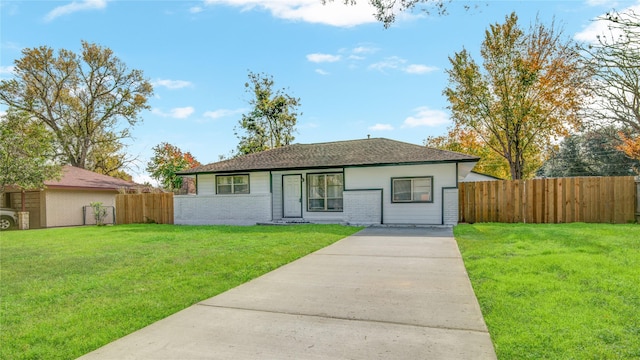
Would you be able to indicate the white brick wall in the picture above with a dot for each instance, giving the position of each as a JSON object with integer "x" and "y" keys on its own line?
{"x": 450, "y": 199}
{"x": 222, "y": 209}
{"x": 362, "y": 207}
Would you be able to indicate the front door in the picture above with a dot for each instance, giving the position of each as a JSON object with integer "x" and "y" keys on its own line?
{"x": 292, "y": 195}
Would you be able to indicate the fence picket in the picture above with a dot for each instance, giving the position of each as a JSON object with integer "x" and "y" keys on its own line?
{"x": 142, "y": 208}
{"x": 558, "y": 200}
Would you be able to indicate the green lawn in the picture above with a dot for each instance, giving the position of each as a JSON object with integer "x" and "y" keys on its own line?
{"x": 557, "y": 291}
{"x": 65, "y": 292}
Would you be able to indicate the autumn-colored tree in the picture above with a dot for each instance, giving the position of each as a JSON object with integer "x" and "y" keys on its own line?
{"x": 87, "y": 101}
{"x": 467, "y": 142}
{"x": 166, "y": 162}
{"x": 630, "y": 145}
{"x": 526, "y": 94}
{"x": 616, "y": 60}
{"x": 272, "y": 119}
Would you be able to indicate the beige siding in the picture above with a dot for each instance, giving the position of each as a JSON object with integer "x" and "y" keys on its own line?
{"x": 64, "y": 207}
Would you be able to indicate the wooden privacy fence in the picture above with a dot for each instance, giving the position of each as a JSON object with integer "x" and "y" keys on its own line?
{"x": 560, "y": 200}
{"x": 144, "y": 208}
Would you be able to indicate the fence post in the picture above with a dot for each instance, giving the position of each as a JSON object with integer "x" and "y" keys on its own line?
{"x": 637, "y": 183}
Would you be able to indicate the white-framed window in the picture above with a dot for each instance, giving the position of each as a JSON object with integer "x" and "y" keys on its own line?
{"x": 324, "y": 192}
{"x": 232, "y": 184}
{"x": 412, "y": 189}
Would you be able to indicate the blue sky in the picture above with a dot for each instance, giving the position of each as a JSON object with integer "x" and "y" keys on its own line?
{"x": 354, "y": 77}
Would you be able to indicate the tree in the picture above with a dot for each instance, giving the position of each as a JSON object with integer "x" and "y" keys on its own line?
{"x": 272, "y": 119}
{"x": 593, "y": 153}
{"x": 527, "y": 93}
{"x": 26, "y": 150}
{"x": 467, "y": 142}
{"x": 166, "y": 162}
{"x": 110, "y": 159}
{"x": 616, "y": 60}
{"x": 89, "y": 101}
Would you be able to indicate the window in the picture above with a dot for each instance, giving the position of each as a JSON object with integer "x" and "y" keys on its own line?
{"x": 232, "y": 184}
{"x": 416, "y": 189}
{"x": 324, "y": 192}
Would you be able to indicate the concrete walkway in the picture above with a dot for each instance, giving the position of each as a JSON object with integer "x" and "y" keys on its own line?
{"x": 383, "y": 293}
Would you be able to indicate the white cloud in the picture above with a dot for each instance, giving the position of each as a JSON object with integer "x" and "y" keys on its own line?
{"x": 601, "y": 27}
{"x": 6, "y": 70}
{"x": 333, "y": 13}
{"x": 172, "y": 84}
{"x": 75, "y": 6}
{"x": 176, "y": 113}
{"x": 220, "y": 113}
{"x": 319, "y": 58}
{"x": 398, "y": 63}
{"x": 419, "y": 69}
{"x": 381, "y": 127}
{"x": 195, "y": 9}
{"x": 607, "y": 3}
{"x": 322, "y": 72}
{"x": 426, "y": 117}
{"x": 364, "y": 50}
{"x": 393, "y": 62}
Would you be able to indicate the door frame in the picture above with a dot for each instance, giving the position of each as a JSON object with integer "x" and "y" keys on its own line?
{"x": 284, "y": 195}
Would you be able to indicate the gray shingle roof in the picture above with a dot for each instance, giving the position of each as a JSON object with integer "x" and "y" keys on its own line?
{"x": 375, "y": 151}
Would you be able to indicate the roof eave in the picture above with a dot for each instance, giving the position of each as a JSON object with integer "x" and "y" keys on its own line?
{"x": 429, "y": 162}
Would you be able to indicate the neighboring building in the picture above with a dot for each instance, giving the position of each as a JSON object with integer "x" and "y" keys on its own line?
{"x": 62, "y": 202}
{"x": 369, "y": 181}
{"x": 476, "y": 176}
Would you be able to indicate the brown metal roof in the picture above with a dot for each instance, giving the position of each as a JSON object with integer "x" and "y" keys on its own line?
{"x": 364, "y": 152}
{"x": 73, "y": 177}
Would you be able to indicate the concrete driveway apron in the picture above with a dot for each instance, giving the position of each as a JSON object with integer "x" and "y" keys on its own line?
{"x": 383, "y": 293}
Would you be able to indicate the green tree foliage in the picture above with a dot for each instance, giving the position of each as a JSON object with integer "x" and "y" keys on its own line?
{"x": 26, "y": 150}
{"x": 89, "y": 101}
{"x": 616, "y": 60}
{"x": 594, "y": 153}
{"x": 272, "y": 120}
{"x": 166, "y": 162}
{"x": 526, "y": 94}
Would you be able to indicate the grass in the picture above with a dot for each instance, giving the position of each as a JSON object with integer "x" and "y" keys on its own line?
{"x": 557, "y": 291}
{"x": 65, "y": 292}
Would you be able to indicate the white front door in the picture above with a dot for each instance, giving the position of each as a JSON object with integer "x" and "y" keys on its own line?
{"x": 292, "y": 195}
